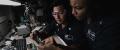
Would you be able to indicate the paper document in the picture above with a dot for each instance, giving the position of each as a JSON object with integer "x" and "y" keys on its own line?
{"x": 59, "y": 40}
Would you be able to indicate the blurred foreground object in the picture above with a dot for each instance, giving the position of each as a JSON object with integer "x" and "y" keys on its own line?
{"x": 9, "y": 2}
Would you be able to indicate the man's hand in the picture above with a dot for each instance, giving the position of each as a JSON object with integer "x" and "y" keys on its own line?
{"x": 49, "y": 41}
{"x": 48, "y": 44}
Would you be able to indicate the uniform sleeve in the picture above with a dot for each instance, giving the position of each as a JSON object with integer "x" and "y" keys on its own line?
{"x": 108, "y": 37}
{"x": 50, "y": 29}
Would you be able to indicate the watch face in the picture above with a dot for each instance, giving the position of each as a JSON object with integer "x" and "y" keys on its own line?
{"x": 91, "y": 34}
{"x": 68, "y": 37}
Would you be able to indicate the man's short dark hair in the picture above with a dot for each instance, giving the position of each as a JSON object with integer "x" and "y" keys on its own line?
{"x": 59, "y": 3}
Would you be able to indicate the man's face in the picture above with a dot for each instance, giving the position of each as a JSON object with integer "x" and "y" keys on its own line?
{"x": 78, "y": 8}
{"x": 59, "y": 14}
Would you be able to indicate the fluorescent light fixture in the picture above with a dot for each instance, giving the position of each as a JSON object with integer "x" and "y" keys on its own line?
{"x": 9, "y": 2}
